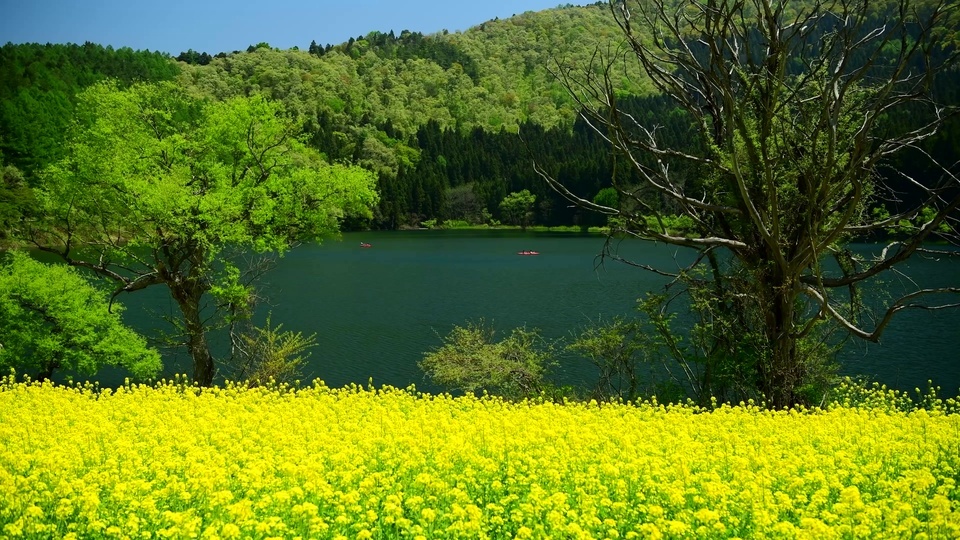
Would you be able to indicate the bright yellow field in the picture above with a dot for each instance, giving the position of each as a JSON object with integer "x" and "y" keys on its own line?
{"x": 320, "y": 463}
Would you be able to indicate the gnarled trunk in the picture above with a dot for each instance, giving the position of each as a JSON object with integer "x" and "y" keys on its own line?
{"x": 782, "y": 373}
{"x": 188, "y": 299}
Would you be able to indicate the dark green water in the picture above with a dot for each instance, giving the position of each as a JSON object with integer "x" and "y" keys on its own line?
{"x": 376, "y": 310}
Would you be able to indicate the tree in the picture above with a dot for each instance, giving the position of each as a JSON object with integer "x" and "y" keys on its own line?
{"x": 16, "y": 200}
{"x": 162, "y": 188}
{"x": 461, "y": 203}
{"x": 517, "y": 208}
{"x": 52, "y": 318}
{"x": 616, "y": 348}
{"x": 269, "y": 354}
{"x": 471, "y": 359}
{"x": 790, "y": 103}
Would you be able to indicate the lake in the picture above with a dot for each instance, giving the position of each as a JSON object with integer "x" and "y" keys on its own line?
{"x": 376, "y": 310}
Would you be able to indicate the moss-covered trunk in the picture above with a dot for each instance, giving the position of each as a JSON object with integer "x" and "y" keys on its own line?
{"x": 781, "y": 372}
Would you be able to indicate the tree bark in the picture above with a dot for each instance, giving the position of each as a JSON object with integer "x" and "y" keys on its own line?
{"x": 188, "y": 298}
{"x": 782, "y": 373}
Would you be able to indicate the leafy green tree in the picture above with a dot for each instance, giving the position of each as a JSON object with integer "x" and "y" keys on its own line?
{"x": 517, "y": 208}
{"x": 471, "y": 359}
{"x": 38, "y": 85}
{"x": 607, "y": 197}
{"x": 461, "y": 203}
{"x": 16, "y": 200}
{"x": 159, "y": 187}
{"x": 787, "y": 101}
{"x": 269, "y": 354}
{"x": 617, "y": 350}
{"x": 52, "y": 318}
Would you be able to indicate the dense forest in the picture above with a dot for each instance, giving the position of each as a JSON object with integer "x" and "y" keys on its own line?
{"x": 450, "y": 123}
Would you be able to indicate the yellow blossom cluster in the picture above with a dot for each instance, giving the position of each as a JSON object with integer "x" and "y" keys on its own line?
{"x": 173, "y": 461}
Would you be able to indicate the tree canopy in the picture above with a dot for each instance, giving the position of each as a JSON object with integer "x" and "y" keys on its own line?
{"x": 789, "y": 105}
{"x": 51, "y": 318}
{"x": 471, "y": 360}
{"x": 517, "y": 207}
{"x": 159, "y": 187}
{"x": 426, "y": 113}
{"x": 38, "y": 88}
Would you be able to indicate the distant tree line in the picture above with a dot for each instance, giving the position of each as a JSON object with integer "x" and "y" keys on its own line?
{"x": 407, "y": 46}
{"x": 450, "y": 123}
{"x": 38, "y": 88}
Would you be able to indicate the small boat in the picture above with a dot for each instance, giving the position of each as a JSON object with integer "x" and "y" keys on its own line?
{"x": 365, "y": 245}
{"x": 527, "y": 252}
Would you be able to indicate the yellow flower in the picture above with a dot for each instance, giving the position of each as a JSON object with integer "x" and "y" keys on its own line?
{"x": 328, "y": 463}
{"x": 230, "y": 530}
{"x": 428, "y": 514}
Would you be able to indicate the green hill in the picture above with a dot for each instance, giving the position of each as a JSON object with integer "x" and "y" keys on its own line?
{"x": 436, "y": 116}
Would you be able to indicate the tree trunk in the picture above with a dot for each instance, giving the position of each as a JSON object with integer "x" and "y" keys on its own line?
{"x": 46, "y": 371}
{"x": 781, "y": 374}
{"x": 189, "y": 301}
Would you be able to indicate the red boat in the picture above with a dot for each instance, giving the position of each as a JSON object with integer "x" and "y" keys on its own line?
{"x": 526, "y": 252}
{"x": 365, "y": 245}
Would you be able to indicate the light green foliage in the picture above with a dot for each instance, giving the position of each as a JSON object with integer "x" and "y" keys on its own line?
{"x": 508, "y": 80}
{"x": 608, "y": 197}
{"x": 157, "y": 166}
{"x": 678, "y": 225}
{"x": 517, "y": 207}
{"x": 470, "y": 359}
{"x": 305, "y": 84}
{"x": 515, "y": 58}
{"x": 617, "y": 349}
{"x": 271, "y": 355}
{"x": 52, "y": 318}
{"x": 39, "y": 86}
{"x": 16, "y": 200}
{"x": 158, "y": 184}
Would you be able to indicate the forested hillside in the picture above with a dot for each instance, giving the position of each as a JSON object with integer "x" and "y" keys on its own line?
{"x": 450, "y": 122}
{"x": 38, "y": 84}
{"x": 437, "y": 116}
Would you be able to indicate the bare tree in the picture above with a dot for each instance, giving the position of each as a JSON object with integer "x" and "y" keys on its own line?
{"x": 790, "y": 102}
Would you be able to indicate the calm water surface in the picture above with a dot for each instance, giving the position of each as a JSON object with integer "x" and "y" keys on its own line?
{"x": 375, "y": 311}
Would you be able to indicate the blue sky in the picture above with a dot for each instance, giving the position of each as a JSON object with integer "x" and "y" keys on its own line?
{"x": 216, "y": 26}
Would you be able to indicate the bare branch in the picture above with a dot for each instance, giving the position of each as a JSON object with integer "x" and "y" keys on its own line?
{"x": 901, "y": 304}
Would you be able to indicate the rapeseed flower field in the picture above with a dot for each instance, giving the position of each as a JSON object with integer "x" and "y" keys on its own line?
{"x": 174, "y": 461}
